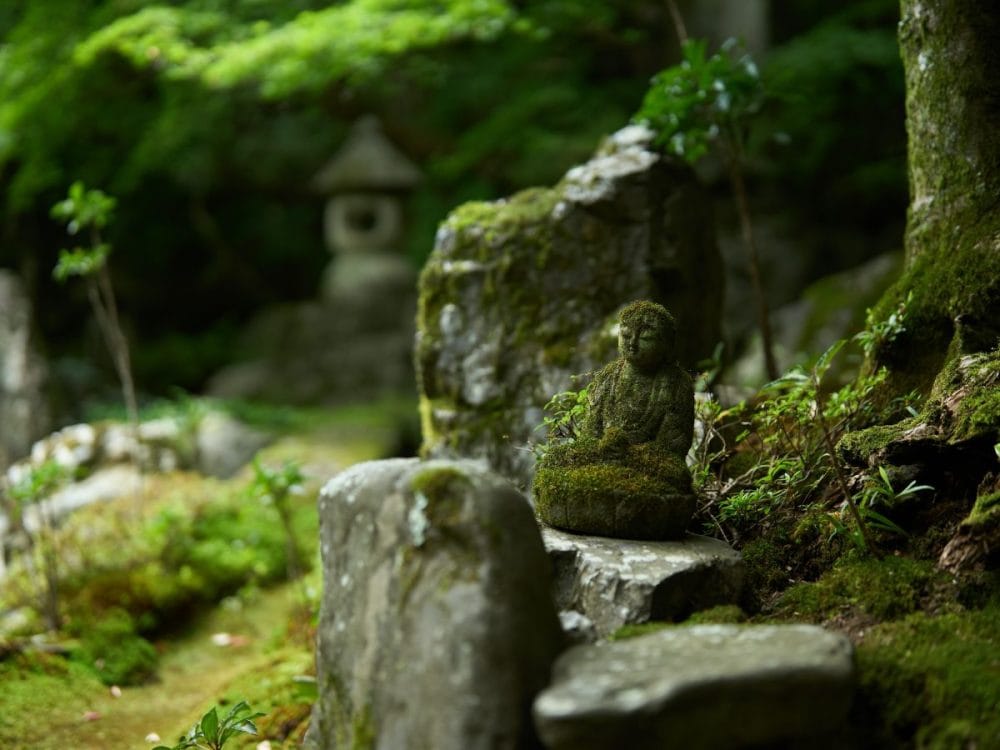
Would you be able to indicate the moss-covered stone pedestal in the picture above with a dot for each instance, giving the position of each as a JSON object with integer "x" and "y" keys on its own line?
{"x": 646, "y": 494}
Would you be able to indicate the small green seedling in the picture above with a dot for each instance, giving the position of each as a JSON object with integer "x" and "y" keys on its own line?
{"x": 212, "y": 733}
{"x": 38, "y": 484}
{"x": 273, "y": 487}
{"x": 90, "y": 211}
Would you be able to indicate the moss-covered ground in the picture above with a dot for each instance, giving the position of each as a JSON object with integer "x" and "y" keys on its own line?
{"x": 156, "y": 598}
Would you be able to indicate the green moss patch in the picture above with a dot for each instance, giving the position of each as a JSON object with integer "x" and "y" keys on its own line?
{"x": 986, "y": 512}
{"x": 115, "y": 651}
{"x": 724, "y": 614}
{"x": 637, "y": 629}
{"x": 934, "y": 682}
{"x": 40, "y": 690}
{"x": 856, "y": 447}
{"x": 881, "y": 589}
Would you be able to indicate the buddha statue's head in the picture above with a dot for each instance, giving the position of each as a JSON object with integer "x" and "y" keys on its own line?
{"x": 646, "y": 335}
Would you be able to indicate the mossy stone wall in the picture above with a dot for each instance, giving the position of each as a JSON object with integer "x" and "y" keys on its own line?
{"x": 520, "y": 294}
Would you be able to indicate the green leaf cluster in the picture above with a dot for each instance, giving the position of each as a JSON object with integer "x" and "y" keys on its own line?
{"x": 273, "y": 485}
{"x": 83, "y": 208}
{"x": 213, "y": 732}
{"x": 704, "y": 99}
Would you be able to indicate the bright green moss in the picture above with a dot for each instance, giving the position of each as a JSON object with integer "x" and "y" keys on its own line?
{"x": 724, "y": 614}
{"x": 530, "y": 206}
{"x": 882, "y": 589}
{"x": 444, "y": 490}
{"x": 986, "y": 511}
{"x": 638, "y": 497}
{"x": 856, "y": 447}
{"x": 959, "y": 275}
{"x": 638, "y": 629}
{"x": 117, "y": 654}
{"x": 979, "y": 412}
{"x": 934, "y": 681}
{"x": 39, "y": 690}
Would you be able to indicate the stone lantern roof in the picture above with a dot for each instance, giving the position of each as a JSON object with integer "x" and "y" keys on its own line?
{"x": 367, "y": 161}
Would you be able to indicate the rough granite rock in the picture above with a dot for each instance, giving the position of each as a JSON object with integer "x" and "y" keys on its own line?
{"x": 699, "y": 688}
{"x": 437, "y": 626}
{"x": 24, "y": 409}
{"x": 521, "y": 294}
{"x": 615, "y": 582}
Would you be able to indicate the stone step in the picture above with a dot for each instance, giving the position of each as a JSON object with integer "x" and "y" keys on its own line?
{"x": 699, "y": 688}
{"x": 601, "y": 584}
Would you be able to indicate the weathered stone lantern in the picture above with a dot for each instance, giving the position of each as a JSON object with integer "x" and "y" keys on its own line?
{"x": 356, "y": 341}
{"x": 366, "y": 183}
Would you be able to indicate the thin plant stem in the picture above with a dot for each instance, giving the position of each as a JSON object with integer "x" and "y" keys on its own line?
{"x": 743, "y": 209}
{"x": 678, "y": 19}
{"x": 838, "y": 471}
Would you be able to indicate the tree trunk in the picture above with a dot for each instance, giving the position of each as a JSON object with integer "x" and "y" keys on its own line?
{"x": 951, "y": 54}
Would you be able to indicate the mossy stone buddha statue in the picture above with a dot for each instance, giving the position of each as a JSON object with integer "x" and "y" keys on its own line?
{"x": 625, "y": 475}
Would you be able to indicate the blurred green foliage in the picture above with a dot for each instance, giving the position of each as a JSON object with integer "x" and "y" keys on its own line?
{"x": 208, "y": 119}
{"x": 118, "y": 655}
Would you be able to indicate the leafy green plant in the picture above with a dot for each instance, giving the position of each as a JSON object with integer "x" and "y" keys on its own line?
{"x": 705, "y": 101}
{"x": 564, "y": 415}
{"x": 31, "y": 491}
{"x": 790, "y": 433}
{"x": 213, "y": 732}
{"x": 880, "y": 332}
{"x": 879, "y": 493}
{"x": 273, "y": 487}
{"x": 90, "y": 211}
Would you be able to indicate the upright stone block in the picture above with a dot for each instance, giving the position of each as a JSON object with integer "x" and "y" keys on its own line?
{"x": 437, "y": 626}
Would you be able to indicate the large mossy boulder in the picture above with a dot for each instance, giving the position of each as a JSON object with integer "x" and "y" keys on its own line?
{"x": 437, "y": 625}
{"x": 521, "y": 294}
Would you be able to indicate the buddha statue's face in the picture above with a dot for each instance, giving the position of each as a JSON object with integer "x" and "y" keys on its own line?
{"x": 643, "y": 344}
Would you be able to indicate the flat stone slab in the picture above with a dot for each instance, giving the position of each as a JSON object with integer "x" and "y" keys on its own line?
{"x": 615, "y": 582}
{"x": 707, "y": 686}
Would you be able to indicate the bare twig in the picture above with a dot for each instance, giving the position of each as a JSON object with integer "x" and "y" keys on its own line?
{"x": 678, "y": 19}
